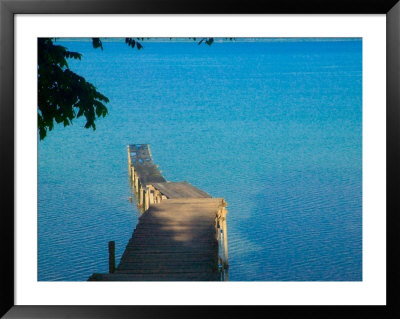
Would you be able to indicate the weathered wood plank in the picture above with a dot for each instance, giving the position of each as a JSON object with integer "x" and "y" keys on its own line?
{"x": 156, "y": 277}
{"x": 184, "y": 258}
{"x": 173, "y": 267}
{"x": 164, "y": 270}
{"x": 140, "y": 158}
{"x": 173, "y": 242}
{"x": 176, "y": 238}
{"x": 166, "y": 250}
{"x": 180, "y": 190}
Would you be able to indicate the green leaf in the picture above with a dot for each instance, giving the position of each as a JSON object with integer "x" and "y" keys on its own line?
{"x": 42, "y": 133}
{"x": 131, "y": 42}
{"x": 97, "y": 43}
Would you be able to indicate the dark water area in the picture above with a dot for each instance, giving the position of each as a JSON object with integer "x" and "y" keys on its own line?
{"x": 274, "y": 127}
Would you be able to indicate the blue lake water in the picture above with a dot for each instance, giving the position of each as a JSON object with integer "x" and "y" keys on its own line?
{"x": 272, "y": 126}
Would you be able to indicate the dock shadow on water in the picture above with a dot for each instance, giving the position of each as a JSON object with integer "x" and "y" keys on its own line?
{"x": 181, "y": 234}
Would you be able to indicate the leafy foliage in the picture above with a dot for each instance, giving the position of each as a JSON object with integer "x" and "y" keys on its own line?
{"x": 132, "y": 42}
{"x": 63, "y": 94}
{"x": 208, "y": 41}
{"x": 97, "y": 43}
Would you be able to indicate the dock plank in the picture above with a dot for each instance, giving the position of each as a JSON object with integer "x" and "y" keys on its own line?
{"x": 180, "y": 190}
{"x": 177, "y": 236}
{"x": 195, "y": 276}
{"x": 140, "y": 158}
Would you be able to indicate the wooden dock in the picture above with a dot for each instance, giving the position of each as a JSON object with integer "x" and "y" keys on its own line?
{"x": 181, "y": 235}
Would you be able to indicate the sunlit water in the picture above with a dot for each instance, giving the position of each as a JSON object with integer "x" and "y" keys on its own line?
{"x": 274, "y": 127}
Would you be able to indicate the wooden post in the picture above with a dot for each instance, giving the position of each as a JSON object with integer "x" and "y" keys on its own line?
{"x": 129, "y": 160}
{"x": 145, "y": 198}
{"x": 136, "y": 183}
{"x": 140, "y": 195}
{"x": 132, "y": 173}
{"x": 218, "y": 237}
{"x": 151, "y": 200}
{"x": 225, "y": 231}
{"x": 111, "y": 256}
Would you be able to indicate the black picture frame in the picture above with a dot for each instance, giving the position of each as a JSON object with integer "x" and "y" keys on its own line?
{"x": 8, "y": 8}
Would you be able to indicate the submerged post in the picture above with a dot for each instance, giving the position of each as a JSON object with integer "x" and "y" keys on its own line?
{"x": 111, "y": 257}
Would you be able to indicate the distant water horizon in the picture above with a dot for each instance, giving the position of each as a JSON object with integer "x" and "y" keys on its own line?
{"x": 195, "y": 40}
{"x": 273, "y": 127}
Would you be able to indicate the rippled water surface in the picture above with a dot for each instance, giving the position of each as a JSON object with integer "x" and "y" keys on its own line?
{"x": 274, "y": 127}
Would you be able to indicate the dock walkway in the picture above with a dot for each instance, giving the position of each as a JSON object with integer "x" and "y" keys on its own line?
{"x": 182, "y": 234}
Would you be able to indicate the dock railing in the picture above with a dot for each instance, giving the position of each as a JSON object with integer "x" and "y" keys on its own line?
{"x": 180, "y": 203}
